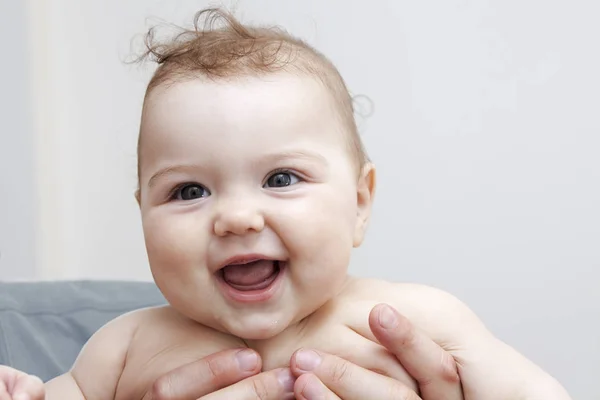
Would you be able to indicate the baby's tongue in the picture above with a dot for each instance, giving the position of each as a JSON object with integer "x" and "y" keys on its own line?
{"x": 251, "y": 276}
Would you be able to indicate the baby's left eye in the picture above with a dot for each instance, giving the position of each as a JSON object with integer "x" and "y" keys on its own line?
{"x": 282, "y": 179}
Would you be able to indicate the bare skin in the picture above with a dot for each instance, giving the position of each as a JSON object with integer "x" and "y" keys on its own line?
{"x": 236, "y": 373}
{"x": 156, "y": 341}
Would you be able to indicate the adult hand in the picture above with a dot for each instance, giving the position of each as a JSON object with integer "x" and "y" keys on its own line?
{"x": 236, "y": 373}
{"x": 325, "y": 376}
{"x": 16, "y": 385}
{"x": 229, "y": 374}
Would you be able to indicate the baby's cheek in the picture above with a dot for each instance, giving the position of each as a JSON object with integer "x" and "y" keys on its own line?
{"x": 323, "y": 241}
{"x": 173, "y": 242}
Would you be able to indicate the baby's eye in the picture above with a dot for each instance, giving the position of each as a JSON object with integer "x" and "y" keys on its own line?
{"x": 282, "y": 179}
{"x": 191, "y": 191}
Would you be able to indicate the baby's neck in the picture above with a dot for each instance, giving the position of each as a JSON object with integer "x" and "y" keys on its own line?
{"x": 294, "y": 331}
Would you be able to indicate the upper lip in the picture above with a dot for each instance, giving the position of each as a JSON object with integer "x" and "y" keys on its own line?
{"x": 244, "y": 259}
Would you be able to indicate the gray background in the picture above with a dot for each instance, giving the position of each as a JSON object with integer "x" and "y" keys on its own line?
{"x": 17, "y": 186}
{"x": 485, "y": 131}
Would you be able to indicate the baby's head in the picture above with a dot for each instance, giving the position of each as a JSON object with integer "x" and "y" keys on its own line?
{"x": 253, "y": 183}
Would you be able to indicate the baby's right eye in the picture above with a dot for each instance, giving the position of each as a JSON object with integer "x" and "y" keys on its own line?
{"x": 190, "y": 191}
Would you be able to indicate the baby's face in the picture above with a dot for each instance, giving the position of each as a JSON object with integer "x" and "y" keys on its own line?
{"x": 250, "y": 200}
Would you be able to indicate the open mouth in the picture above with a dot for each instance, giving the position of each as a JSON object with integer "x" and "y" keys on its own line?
{"x": 255, "y": 275}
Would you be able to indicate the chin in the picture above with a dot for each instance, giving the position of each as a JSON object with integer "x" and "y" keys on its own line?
{"x": 257, "y": 327}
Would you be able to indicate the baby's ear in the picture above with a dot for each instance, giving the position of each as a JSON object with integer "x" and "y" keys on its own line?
{"x": 138, "y": 197}
{"x": 365, "y": 195}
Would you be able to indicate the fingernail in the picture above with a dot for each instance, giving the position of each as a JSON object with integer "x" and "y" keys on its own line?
{"x": 387, "y": 318}
{"x": 313, "y": 390}
{"x": 247, "y": 360}
{"x": 307, "y": 360}
{"x": 21, "y": 396}
{"x": 287, "y": 380}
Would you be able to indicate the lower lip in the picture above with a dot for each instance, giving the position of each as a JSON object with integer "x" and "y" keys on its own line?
{"x": 253, "y": 296}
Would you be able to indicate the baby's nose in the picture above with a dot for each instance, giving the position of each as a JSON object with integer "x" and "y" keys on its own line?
{"x": 238, "y": 219}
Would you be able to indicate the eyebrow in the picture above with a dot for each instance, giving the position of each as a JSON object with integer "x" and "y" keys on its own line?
{"x": 274, "y": 157}
{"x": 297, "y": 154}
{"x": 170, "y": 170}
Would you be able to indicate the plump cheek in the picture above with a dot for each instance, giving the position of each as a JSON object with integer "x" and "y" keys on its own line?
{"x": 177, "y": 254}
{"x": 321, "y": 244}
{"x": 174, "y": 248}
{"x": 327, "y": 266}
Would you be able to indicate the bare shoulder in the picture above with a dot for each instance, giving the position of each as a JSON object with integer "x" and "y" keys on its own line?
{"x": 98, "y": 366}
{"x": 482, "y": 358}
{"x": 367, "y": 288}
{"x": 124, "y": 357}
{"x": 441, "y": 315}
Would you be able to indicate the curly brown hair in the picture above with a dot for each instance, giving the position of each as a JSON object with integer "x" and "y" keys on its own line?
{"x": 219, "y": 47}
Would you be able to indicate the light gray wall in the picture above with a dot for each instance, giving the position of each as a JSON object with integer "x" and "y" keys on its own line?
{"x": 17, "y": 188}
{"x": 487, "y": 136}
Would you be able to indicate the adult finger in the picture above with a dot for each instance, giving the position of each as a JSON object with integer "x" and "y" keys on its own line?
{"x": 7, "y": 378}
{"x": 28, "y": 387}
{"x": 309, "y": 387}
{"x": 374, "y": 357}
{"x": 15, "y": 384}
{"x": 347, "y": 380}
{"x": 431, "y": 366}
{"x": 276, "y": 384}
{"x": 4, "y": 395}
{"x": 207, "y": 375}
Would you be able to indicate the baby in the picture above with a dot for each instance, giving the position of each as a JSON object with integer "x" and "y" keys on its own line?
{"x": 254, "y": 188}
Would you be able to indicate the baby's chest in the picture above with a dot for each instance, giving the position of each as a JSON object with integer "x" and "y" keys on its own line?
{"x": 162, "y": 345}
{"x": 334, "y": 337}
{"x": 347, "y": 339}
{"x": 158, "y": 351}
